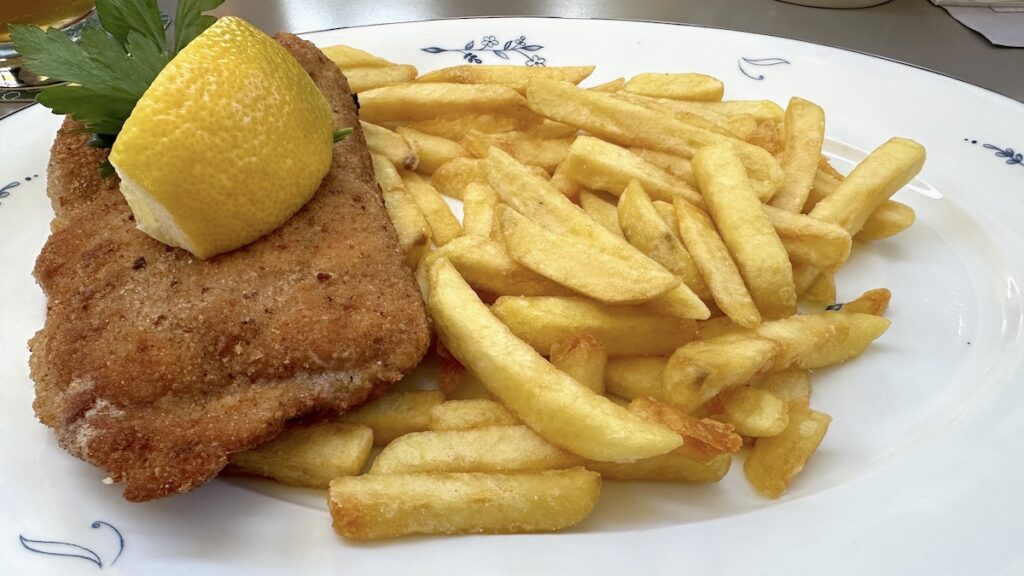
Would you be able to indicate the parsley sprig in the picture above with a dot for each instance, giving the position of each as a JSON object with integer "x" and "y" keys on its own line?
{"x": 113, "y": 65}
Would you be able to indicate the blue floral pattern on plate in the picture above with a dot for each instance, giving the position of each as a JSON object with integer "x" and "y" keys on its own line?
{"x": 1012, "y": 157}
{"x": 758, "y": 62}
{"x": 72, "y": 550}
{"x": 471, "y": 51}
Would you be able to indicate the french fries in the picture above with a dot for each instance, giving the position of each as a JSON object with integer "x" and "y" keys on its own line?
{"x": 775, "y": 460}
{"x": 310, "y": 456}
{"x": 667, "y": 315}
{"x": 376, "y": 506}
{"x": 699, "y": 87}
{"x": 622, "y": 330}
{"x": 554, "y": 405}
{"x": 746, "y": 230}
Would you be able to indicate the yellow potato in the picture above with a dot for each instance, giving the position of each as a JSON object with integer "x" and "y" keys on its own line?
{"x": 787, "y": 385}
{"x": 622, "y": 330}
{"x": 759, "y": 109}
{"x": 515, "y": 77}
{"x": 645, "y": 229}
{"x": 310, "y": 456}
{"x": 426, "y": 101}
{"x": 545, "y": 153}
{"x": 452, "y": 177}
{"x": 454, "y": 126}
{"x": 410, "y": 225}
{"x": 349, "y": 57}
{"x": 363, "y": 78}
{"x": 753, "y": 412}
{"x": 379, "y": 506}
{"x": 799, "y": 336}
{"x": 700, "y": 370}
{"x": 626, "y": 124}
{"x": 395, "y": 414}
{"x": 854, "y": 333}
{"x": 671, "y": 467}
{"x": 598, "y": 165}
{"x": 479, "y": 202}
{"x": 809, "y": 240}
{"x": 804, "y": 135}
{"x": 675, "y": 165}
{"x": 486, "y": 266}
{"x": 582, "y": 357}
{"x": 610, "y": 86}
{"x": 577, "y": 265}
{"x": 636, "y": 377}
{"x": 740, "y": 127}
{"x": 775, "y": 461}
{"x": 444, "y": 226}
{"x": 716, "y": 265}
{"x": 604, "y": 212}
{"x": 886, "y": 221}
{"x": 823, "y": 289}
{"x": 567, "y": 186}
{"x": 563, "y": 411}
{"x": 392, "y": 146}
{"x": 431, "y": 151}
{"x": 749, "y": 235}
{"x": 679, "y": 86}
{"x": 470, "y": 413}
{"x": 704, "y": 438}
{"x": 490, "y": 449}
{"x": 874, "y": 302}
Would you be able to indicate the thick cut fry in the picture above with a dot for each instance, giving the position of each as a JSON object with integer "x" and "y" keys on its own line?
{"x": 754, "y": 412}
{"x": 363, "y": 78}
{"x": 799, "y": 336}
{"x": 809, "y": 240}
{"x": 886, "y": 221}
{"x": 567, "y": 186}
{"x": 703, "y": 438}
{"x": 545, "y": 128}
{"x": 671, "y": 467}
{"x": 379, "y": 506}
{"x": 583, "y": 358}
{"x": 563, "y": 411}
{"x": 636, "y": 377}
{"x": 755, "y": 246}
{"x": 598, "y": 165}
{"x": 395, "y": 414}
{"x": 535, "y": 198}
{"x": 874, "y": 302}
{"x": 410, "y": 226}
{"x": 349, "y": 57}
{"x": 759, "y": 109}
{"x": 622, "y": 330}
{"x": 804, "y": 135}
{"x": 627, "y": 124}
{"x": 605, "y": 213}
{"x": 577, "y": 265}
{"x": 716, "y": 265}
{"x": 774, "y": 461}
{"x": 610, "y": 86}
{"x": 683, "y": 86}
{"x": 310, "y": 455}
{"x": 392, "y": 146}
{"x": 700, "y": 370}
{"x": 470, "y": 414}
{"x": 854, "y": 333}
{"x": 452, "y": 178}
{"x": 791, "y": 384}
{"x": 667, "y": 212}
{"x": 490, "y": 449}
{"x": 675, "y": 165}
{"x": 455, "y": 126}
{"x": 645, "y": 229}
{"x": 431, "y": 151}
{"x": 544, "y": 153}
{"x": 444, "y": 226}
{"x": 740, "y": 126}
{"x": 478, "y": 207}
{"x": 486, "y": 266}
{"x": 823, "y": 289}
{"x": 514, "y": 77}
{"x": 426, "y": 101}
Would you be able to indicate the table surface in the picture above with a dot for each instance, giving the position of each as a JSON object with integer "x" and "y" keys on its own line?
{"x": 912, "y": 31}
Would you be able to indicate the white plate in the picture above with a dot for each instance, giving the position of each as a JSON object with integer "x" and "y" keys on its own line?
{"x": 918, "y": 473}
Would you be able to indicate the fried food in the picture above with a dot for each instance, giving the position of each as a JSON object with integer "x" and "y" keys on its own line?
{"x": 157, "y": 367}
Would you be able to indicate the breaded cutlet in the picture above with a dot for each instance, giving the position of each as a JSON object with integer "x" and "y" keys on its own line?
{"x": 157, "y": 366}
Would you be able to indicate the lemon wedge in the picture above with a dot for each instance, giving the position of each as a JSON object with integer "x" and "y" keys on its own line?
{"x": 227, "y": 143}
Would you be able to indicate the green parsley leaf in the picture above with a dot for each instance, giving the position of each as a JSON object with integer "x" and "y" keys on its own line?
{"x": 190, "y": 21}
{"x": 340, "y": 135}
{"x": 119, "y": 17}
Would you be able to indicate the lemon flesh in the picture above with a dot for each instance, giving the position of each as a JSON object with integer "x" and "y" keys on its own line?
{"x": 229, "y": 141}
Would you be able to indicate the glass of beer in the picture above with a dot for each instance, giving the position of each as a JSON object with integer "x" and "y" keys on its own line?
{"x": 68, "y": 15}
